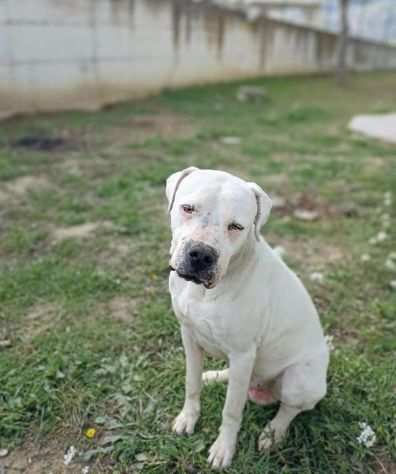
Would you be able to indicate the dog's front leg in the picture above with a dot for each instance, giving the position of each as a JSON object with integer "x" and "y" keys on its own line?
{"x": 185, "y": 421}
{"x": 240, "y": 371}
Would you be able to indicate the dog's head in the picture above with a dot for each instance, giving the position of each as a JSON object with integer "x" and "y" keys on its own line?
{"x": 213, "y": 215}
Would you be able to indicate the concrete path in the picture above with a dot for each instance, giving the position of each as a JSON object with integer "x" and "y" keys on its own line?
{"x": 382, "y": 127}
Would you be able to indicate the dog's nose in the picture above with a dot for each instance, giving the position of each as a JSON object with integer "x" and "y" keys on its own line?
{"x": 202, "y": 257}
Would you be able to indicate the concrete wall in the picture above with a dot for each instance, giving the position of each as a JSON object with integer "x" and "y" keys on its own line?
{"x": 84, "y": 53}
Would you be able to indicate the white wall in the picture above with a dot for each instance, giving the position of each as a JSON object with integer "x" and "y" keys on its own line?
{"x": 84, "y": 53}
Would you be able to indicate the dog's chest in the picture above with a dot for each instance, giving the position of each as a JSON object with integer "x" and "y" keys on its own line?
{"x": 207, "y": 319}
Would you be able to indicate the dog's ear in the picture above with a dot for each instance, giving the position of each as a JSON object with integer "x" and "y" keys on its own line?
{"x": 264, "y": 205}
{"x": 173, "y": 183}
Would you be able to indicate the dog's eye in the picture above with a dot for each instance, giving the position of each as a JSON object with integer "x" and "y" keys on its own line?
{"x": 235, "y": 226}
{"x": 188, "y": 209}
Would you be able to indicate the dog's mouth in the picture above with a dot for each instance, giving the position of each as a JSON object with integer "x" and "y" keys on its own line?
{"x": 207, "y": 283}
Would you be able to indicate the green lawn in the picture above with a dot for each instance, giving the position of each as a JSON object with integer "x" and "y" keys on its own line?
{"x": 83, "y": 283}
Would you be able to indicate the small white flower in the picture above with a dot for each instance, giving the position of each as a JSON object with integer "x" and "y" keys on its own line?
{"x": 316, "y": 277}
{"x": 380, "y": 237}
{"x": 68, "y": 457}
{"x": 388, "y": 199}
{"x": 85, "y": 470}
{"x": 390, "y": 264}
{"x": 329, "y": 342}
{"x": 365, "y": 257}
{"x": 367, "y": 436}
{"x": 280, "y": 251}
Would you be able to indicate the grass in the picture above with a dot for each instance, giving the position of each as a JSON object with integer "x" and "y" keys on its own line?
{"x": 93, "y": 339}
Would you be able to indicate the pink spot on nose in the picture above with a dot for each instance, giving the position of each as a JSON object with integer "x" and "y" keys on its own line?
{"x": 261, "y": 395}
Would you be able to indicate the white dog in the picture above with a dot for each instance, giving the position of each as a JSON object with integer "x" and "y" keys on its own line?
{"x": 236, "y": 299}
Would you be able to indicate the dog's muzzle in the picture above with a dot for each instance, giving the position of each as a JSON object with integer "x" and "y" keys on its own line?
{"x": 199, "y": 264}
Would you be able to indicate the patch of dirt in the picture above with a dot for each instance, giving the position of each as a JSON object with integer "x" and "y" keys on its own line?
{"x": 72, "y": 166}
{"x": 22, "y": 185}
{"x": 119, "y": 308}
{"x": 279, "y": 180}
{"x": 118, "y": 252}
{"x": 79, "y": 231}
{"x": 39, "y": 320}
{"x": 46, "y": 458}
{"x": 312, "y": 253}
{"x": 384, "y": 464}
{"x": 346, "y": 335}
{"x": 137, "y": 130}
{"x": 307, "y": 202}
{"x": 4, "y": 197}
{"x": 122, "y": 309}
{"x": 373, "y": 165}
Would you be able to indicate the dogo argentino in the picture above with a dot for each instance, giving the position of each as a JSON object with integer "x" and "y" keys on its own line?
{"x": 236, "y": 299}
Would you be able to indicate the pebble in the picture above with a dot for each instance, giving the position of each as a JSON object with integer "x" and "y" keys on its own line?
{"x": 316, "y": 277}
{"x": 231, "y": 140}
{"x": 306, "y": 215}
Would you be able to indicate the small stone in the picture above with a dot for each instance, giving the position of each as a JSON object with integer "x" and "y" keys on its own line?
{"x": 316, "y": 277}
{"x": 231, "y": 140}
{"x": 306, "y": 215}
{"x": 365, "y": 257}
{"x": 392, "y": 284}
{"x": 3, "y": 453}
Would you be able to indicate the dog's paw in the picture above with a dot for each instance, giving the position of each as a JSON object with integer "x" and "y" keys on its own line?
{"x": 222, "y": 451}
{"x": 185, "y": 422}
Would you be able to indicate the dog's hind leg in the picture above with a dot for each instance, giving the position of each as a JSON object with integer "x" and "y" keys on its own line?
{"x": 301, "y": 387}
{"x": 215, "y": 376}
